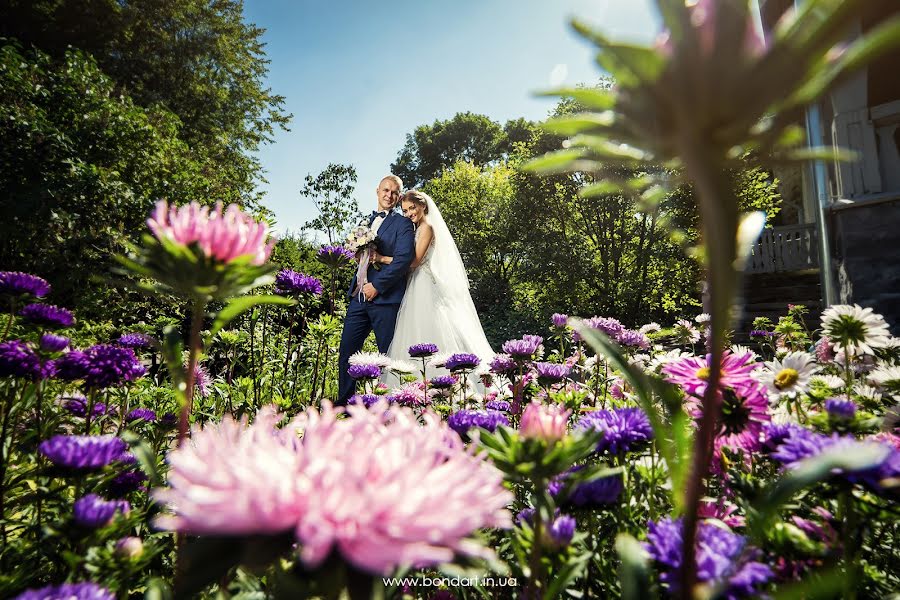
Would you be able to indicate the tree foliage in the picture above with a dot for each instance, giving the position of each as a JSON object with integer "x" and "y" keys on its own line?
{"x": 331, "y": 192}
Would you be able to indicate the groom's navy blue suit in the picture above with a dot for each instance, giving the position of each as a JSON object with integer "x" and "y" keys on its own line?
{"x": 395, "y": 238}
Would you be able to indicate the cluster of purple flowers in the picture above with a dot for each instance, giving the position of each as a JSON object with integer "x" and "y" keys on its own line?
{"x": 761, "y": 333}
{"x": 503, "y": 364}
{"x": 462, "y": 361}
{"x": 500, "y": 405}
{"x": 19, "y": 359}
{"x": 78, "y": 406}
{"x": 53, "y": 343}
{"x": 551, "y": 372}
{"x": 367, "y": 400}
{"x": 92, "y": 511}
{"x": 722, "y": 558}
{"x": 100, "y": 366}
{"x": 590, "y": 494}
{"x": 82, "y": 452}
{"x": 422, "y": 350}
{"x": 624, "y": 429}
{"x": 16, "y": 283}
{"x": 68, "y": 591}
{"x": 463, "y": 420}
{"x": 523, "y": 349}
{"x": 47, "y": 315}
{"x": 364, "y": 371}
{"x": 292, "y": 283}
{"x": 135, "y": 340}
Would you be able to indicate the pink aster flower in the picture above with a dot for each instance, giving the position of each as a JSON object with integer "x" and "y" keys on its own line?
{"x": 544, "y": 422}
{"x": 223, "y": 236}
{"x": 411, "y": 495}
{"x": 692, "y": 373}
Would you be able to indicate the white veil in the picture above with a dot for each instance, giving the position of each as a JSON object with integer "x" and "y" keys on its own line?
{"x": 445, "y": 262}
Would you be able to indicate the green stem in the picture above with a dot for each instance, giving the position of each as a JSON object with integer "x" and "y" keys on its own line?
{"x": 196, "y": 324}
{"x": 9, "y": 323}
{"x": 848, "y": 516}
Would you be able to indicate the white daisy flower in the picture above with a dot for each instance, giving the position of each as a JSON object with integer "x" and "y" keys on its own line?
{"x": 640, "y": 360}
{"x": 832, "y": 382}
{"x": 660, "y": 360}
{"x": 867, "y": 392}
{"x": 440, "y": 359}
{"x": 788, "y": 376}
{"x": 371, "y": 358}
{"x": 854, "y": 327}
{"x": 703, "y": 318}
{"x": 650, "y": 328}
{"x": 739, "y": 350}
{"x": 403, "y": 366}
{"x": 886, "y": 377}
{"x": 685, "y": 332}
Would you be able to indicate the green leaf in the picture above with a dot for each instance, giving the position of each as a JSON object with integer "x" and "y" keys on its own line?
{"x": 593, "y": 98}
{"x": 236, "y": 306}
{"x": 634, "y": 572}
{"x": 572, "y": 124}
{"x": 554, "y": 162}
{"x": 826, "y": 153}
{"x": 629, "y": 64}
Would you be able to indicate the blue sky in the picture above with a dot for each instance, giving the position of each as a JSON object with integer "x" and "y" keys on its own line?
{"x": 359, "y": 75}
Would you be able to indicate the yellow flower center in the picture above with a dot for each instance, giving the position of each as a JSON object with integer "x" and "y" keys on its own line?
{"x": 702, "y": 373}
{"x": 786, "y": 378}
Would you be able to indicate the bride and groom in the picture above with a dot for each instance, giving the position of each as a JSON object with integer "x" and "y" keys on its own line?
{"x": 419, "y": 291}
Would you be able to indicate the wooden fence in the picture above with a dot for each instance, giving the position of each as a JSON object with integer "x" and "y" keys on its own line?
{"x": 786, "y": 248}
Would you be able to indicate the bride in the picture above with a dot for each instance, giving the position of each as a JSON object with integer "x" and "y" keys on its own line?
{"x": 437, "y": 307}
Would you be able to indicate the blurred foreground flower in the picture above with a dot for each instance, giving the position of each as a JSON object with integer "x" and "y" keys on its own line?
{"x": 547, "y": 423}
{"x": 68, "y": 591}
{"x": 412, "y": 495}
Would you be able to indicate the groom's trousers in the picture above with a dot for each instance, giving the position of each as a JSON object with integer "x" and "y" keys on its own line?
{"x": 363, "y": 317}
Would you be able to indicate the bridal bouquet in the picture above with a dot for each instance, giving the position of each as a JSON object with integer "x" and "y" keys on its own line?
{"x": 361, "y": 241}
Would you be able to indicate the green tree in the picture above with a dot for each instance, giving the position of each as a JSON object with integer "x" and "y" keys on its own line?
{"x": 331, "y": 192}
{"x": 196, "y": 59}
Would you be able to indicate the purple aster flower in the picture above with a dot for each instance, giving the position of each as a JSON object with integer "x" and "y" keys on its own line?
{"x": 135, "y": 340}
{"x": 68, "y": 591}
{"x": 100, "y": 366}
{"x": 503, "y": 364}
{"x": 292, "y": 283}
{"x": 18, "y": 359}
{"x": 561, "y": 530}
{"x": 743, "y": 413}
{"x": 366, "y": 400}
{"x": 53, "y": 343}
{"x": 633, "y": 339}
{"x": 16, "y": 283}
{"x": 144, "y": 414}
{"x": 462, "y": 361}
{"x": 334, "y": 256}
{"x": 126, "y": 482}
{"x": 442, "y": 382}
{"x": 168, "y": 420}
{"x": 624, "y": 429}
{"x": 550, "y": 372}
{"x": 761, "y": 333}
{"x": 202, "y": 380}
{"x": 92, "y": 511}
{"x": 609, "y": 326}
{"x": 590, "y": 494}
{"x": 364, "y": 371}
{"x": 463, "y": 420}
{"x": 840, "y": 410}
{"x": 559, "y": 320}
{"x": 409, "y": 394}
{"x": 498, "y": 405}
{"x": 723, "y": 558}
{"x": 774, "y": 434}
{"x": 47, "y": 315}
{"x": 526, "y": 515}
{"x": 82, "y": 452}
{"x": 692, "y": 373}
{"x": 78, "y": 406}
{"x": 523, "y": 349}
{"x": 422, "y": 350}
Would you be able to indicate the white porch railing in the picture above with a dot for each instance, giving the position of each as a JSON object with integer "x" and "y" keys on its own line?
{"x": 786, "y": 248}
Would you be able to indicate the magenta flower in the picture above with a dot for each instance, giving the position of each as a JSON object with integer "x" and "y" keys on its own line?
{"x": 543, "y": 422}
{"x": 412, "y": 495}
{"x": 692, "y": 373}
{"x": 223, "y": 236}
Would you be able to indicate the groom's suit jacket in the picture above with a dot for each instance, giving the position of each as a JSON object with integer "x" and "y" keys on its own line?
{"x": 395, "y": 238}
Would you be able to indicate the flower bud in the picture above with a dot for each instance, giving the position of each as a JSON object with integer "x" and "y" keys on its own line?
{"x": 129, "y": 547}
{"x": 542, "y": 422}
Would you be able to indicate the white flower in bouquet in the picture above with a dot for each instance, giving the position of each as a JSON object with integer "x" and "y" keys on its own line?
{"x": 361, "y": 237}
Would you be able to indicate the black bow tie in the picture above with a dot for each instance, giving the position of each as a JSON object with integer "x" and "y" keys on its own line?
{"x": 375, "y": 213}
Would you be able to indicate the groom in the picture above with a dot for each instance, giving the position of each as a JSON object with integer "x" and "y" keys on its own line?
{"x": 376, "y": 307}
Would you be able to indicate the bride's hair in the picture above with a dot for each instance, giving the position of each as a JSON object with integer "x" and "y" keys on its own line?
{"x": 416, "y": 197}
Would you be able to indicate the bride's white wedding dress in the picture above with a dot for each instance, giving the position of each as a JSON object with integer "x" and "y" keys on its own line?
{"x": 437, "y": 307}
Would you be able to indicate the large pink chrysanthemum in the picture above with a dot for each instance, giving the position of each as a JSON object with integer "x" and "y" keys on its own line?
{"x": 380, "y": 487}
{"x": 223, "y": 236}
{"x": 692, "y": 373}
